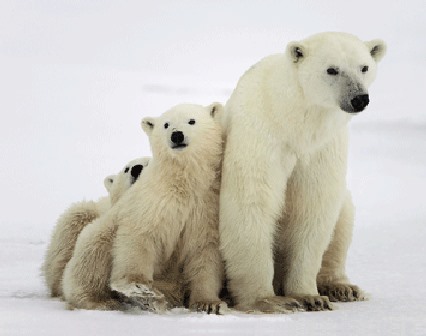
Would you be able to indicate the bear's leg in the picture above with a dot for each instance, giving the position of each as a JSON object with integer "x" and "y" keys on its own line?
{"x": 86, "y": 277}
{"x": 315, "y": 193}
{"x": 332, "y": 280}
{"x": 203, "y": 268}
{"x": 251, "y": 199}
{"x": 63, "y": 240}
{"x": 134, "y": 260}
{"x": 204, "y": 271}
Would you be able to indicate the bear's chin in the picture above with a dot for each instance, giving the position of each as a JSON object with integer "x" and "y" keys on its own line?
{"x": 351, "y": 110}
{"x": 179, "y": 147}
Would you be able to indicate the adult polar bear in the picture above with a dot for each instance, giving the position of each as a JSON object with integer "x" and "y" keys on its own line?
{"x": 283, "y": 193}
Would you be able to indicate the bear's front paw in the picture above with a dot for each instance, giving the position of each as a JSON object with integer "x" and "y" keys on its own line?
{"x": 142, "y": 295}
{"x": 272, "y": 305}
{"x": 137, "y": 290}
{"x": 342, "y": 292}
{"x": 314, "y": 302}
{"x": 210, "y": 307}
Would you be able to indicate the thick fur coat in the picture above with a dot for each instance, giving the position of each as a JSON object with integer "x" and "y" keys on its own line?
{"x": 172, "y": 213}
{"x": 163, "y": 232}
{"x": 286, "y": 215}
{"x": 76, "y": 218}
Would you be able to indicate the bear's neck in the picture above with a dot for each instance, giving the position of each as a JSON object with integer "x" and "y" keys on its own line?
{"x": 197, "y": 173}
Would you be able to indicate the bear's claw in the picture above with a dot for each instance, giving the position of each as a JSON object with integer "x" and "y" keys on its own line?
{"x": 314, "y": 302}
{"x": 342, "y": 292}
{"x": 217, "y": 308}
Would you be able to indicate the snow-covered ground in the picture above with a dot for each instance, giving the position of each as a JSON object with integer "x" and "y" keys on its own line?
{"x": 76, "y": 77}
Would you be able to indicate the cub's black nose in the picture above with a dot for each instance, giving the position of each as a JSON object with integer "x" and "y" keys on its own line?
{"x": 177, "y": 137}
{"x": 360, "y": 102}
{"x": 136, "y": 171}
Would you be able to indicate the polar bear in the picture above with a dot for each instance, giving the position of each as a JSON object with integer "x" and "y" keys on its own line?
{"x": 76, "y": 217}
{"x": 86, "y": 277}
{"x": 170, "y": 216}
{"x": 286, "y": 215}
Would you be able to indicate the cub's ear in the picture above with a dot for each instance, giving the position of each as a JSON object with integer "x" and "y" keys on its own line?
{"x": 108, "y": 181}
{"x": 296, "y": 51}
{"x": 216, "y": 110}
{"x": 145, "y": 161}
{"x": 377, "y": 49}
{"x": 147, "y": 125}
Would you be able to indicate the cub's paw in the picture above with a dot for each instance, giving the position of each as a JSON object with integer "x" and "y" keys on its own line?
{"x": 210, "y": 307}
{"x": 273, "y": 305}
{"x": 140, "y": 295}
{"x": 149, "y": 304}
{"x": 314, "y": 302}
{"x": 136, "y": 289}
{"x": 342, "y": 292}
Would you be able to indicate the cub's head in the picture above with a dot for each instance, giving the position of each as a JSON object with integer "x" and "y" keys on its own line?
{"x": 335, "y": 70}
{"x": 118, "y": 184}
{"x": 185, "y": 131}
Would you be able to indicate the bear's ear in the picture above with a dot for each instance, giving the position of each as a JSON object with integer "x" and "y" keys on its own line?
{"x": 145, "y": 161}
{"x": 215, "y": 109}
{"x": 108, "y": 181}
{"x": 147, "y": 125}
{"x": 296, "y": 51}
{"x": 377, "y": 49}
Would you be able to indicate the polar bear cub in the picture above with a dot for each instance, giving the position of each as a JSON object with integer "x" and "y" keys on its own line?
{"x": 76, "y": 217}
{"x": 172, "y": 212}
{"x": 286, "y": 215}
{"x": 91, "y": 249}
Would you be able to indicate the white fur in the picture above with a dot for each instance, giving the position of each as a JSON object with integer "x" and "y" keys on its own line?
{"x": 73, "y": 221}
{"x": 86, "y": 274}
{"x": 284, "y": 171}
{"x": 166, "y": 225}
{"x": 172, "y": 212}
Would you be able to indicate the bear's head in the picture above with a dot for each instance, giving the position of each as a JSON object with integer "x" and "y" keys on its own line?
{"x": 335, "y": 70}
{"x": 118, "y": 184}
{"x": 185, "y": 132}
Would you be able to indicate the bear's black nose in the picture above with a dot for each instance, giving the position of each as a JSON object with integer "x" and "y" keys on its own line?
{"x": 177, "y": 137}
{"x": 136, "y": 171}
{"x": 360, "y": 102}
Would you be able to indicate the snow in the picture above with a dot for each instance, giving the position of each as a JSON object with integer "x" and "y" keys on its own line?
{"x": 78, "y": 76}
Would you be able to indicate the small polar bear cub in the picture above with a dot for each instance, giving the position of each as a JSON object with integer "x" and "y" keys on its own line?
{"x": 76, "y": 217}
{"x": 173, "y": 210}
{"x": 85, "y": 281}
{"x": 120, "y": 183}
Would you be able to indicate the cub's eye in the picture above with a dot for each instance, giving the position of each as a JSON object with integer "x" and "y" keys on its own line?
{"x": 332, "y": 71}
{"x": 191, "y": 122}
{"x": 126, "y": 169}
{"x": 166, "y": 125}
{"x": 364, "y": 68}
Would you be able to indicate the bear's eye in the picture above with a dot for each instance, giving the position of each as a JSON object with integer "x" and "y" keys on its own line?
{"x": 126, "y": 169}
{"x": 166, "y": 125}
{"x": 364, "y": 69}
{"x": 191, "y": 122}
{"x": 332, "y": 71}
